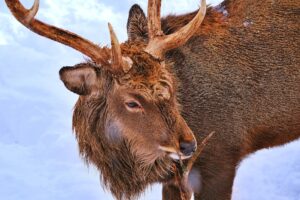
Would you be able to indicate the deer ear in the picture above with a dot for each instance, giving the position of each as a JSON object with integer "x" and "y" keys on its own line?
{"x": 81, "y": 80}
{"x": 137, "y": 28}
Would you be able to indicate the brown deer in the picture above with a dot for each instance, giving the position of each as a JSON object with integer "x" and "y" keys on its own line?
{"x": 143, "y": 104}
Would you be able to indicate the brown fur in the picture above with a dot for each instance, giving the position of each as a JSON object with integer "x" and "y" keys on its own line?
{"x": 124, "y": 145}
{"x": 239, "y": 76}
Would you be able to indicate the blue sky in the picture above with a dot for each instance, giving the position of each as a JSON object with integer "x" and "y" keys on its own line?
{"x": 38, "y": 153}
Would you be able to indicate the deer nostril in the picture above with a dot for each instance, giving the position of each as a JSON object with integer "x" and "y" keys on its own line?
{"x": 187, "y": 148}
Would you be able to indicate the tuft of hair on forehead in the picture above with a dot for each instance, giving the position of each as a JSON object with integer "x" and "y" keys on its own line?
{"x": 147, "y": 73}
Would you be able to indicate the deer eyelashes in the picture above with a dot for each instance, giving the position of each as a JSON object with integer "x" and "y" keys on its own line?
{"x": 133, "y": 106}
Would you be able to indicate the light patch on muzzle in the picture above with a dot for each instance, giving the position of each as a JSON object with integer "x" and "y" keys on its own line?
{"x": 172, "y": 153}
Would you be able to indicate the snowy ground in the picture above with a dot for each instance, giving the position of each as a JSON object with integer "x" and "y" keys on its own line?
{"x": 38, "y": 153}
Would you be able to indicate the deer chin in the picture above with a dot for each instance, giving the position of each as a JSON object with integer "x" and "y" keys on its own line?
{"x": 173, "y": 154}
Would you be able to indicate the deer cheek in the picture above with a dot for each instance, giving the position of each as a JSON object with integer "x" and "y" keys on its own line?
{"x": 113, "y": 130}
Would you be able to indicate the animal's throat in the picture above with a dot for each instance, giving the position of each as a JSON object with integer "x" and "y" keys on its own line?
{"x": 126, "y": 176}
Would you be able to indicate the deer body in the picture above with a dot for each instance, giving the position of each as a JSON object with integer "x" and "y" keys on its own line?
{"x": 143, "y": 104}
{"x": 241, "y": 81}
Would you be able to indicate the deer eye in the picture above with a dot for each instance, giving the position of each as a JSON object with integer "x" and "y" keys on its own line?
{"x": 132, "y": 105}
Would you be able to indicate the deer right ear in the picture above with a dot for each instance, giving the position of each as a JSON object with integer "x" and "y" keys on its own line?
{"x": 81, "y": 80}
{"x": 137, "y": 28}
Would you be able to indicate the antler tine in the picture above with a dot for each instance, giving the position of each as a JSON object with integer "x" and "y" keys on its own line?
{"x": 115, "y": 49}
{"x": 159, "y": 45}
{"x": 26, "y": 17}
{"x": 32, "y": 12}
{"x": 154, "y": 23}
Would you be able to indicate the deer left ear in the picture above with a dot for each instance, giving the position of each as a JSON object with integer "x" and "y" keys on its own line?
{"x": 81, "y": 80}
{"x": 137, "y": 28}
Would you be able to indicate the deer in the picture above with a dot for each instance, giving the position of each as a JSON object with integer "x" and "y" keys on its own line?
{"x": 146, "y": 104}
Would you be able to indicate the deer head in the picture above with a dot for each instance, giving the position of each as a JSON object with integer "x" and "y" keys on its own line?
{"x": 127, "y": 115}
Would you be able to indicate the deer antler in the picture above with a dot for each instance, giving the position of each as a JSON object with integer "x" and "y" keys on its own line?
{"x": 118, "y": 62}
{"x": 115, "y": 48}
{"x": 26, "y": 17}
{"x": 154, "y": 23}
{"x": 160, "y": 43}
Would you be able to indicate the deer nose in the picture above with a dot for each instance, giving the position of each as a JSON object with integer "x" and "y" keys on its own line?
{"x": 187, "y": 148}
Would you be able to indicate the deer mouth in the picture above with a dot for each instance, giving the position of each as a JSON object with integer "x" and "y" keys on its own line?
{"x": 174, "y": 154}
{"x": 178, "y": 156}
